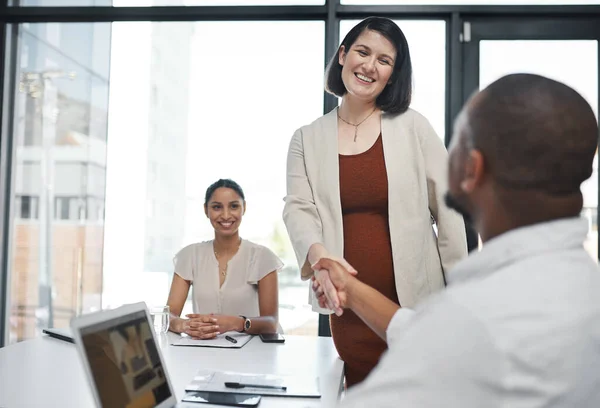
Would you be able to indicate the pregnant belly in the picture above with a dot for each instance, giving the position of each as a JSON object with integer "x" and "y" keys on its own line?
{"x": 367, "y": 248}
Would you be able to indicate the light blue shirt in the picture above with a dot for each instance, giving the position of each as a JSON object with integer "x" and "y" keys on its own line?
{"x": 518, "y": 326}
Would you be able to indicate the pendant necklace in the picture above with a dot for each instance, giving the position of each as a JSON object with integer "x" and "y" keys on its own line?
{"x": 357, "y": 124}
{"x": 223, "y": 271}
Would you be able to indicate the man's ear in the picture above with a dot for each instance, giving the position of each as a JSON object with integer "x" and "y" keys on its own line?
{"x": 474, "y": 171}
{"x": 342, "y": 55}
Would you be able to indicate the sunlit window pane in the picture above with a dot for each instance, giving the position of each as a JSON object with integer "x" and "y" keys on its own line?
{"x": 212, "y": 109}
{"x": 60, "y": 170}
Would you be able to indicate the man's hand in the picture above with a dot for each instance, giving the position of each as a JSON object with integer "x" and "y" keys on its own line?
{"x": 330, "y": 283}
{"x": 199, "y": 326}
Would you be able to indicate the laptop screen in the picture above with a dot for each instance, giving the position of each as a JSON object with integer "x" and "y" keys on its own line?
{"x": 125, "y": 363}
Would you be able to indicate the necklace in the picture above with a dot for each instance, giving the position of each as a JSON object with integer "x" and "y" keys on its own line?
{"x": 357, "y": 124}
{"x": 223, "y": 271}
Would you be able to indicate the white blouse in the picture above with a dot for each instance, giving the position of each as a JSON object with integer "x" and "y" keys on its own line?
{"x": 239, "y": 293}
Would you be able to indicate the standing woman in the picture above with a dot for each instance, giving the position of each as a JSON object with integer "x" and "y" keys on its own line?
{"x": 365, "y": 182}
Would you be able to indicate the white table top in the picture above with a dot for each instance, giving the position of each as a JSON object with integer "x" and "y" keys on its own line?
{"x": 47, "y": 372}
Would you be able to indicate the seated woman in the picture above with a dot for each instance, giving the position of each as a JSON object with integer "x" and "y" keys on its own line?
{"x": 234, "y": 280}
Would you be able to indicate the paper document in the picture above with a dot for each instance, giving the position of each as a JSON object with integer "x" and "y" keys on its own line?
{"x": 220, "y": 341}
{"x": 295, "y": 386}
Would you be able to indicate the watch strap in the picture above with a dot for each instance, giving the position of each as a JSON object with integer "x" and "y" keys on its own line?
{"x": 244, "y": 328}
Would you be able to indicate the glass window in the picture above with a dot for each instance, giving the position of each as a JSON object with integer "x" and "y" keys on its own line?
{"x": 61, "y": 114}
{"x": 427, "y": 43}
{"x": 103, "y": 205}
{"x": 576, "y": 67}
{"x": 213, "y": 110}
{"x": 26, "y": 207}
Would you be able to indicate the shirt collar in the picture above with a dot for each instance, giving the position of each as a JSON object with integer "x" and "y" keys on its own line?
{"x": 518, "y": 244}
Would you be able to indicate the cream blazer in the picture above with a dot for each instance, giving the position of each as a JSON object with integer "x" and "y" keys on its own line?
{"x": 416, "y": 163}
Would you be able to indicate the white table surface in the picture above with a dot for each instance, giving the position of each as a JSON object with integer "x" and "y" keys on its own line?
{"x": 46, "y": 372}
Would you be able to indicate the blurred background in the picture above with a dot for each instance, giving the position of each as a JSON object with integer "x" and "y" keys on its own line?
{"x": 117, "y": 115}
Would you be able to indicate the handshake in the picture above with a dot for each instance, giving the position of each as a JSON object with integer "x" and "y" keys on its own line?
{"x": 333, "y": 283}
{"x": 336, "y": 287}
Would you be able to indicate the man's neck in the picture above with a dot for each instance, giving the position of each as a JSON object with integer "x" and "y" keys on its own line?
{"x": 525, "y": 208}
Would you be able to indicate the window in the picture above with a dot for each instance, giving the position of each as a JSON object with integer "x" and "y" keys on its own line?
{"x": 60, "y": 133}
{"x": 62, "y": 208}
{"x": 212, "y": 115}
{"x": 27, "y": 207}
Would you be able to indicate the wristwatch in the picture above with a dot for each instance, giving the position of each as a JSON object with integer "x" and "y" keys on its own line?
{"x": 247, "y": 324}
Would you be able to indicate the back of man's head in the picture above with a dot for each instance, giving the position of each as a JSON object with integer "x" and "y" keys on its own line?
{"x": 535, "y": 133}
{"x": 521, "y": 149}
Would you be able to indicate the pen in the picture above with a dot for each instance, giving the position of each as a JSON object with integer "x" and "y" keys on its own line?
{"x": 231, "y": 339}
{"x": 242, "y": 385}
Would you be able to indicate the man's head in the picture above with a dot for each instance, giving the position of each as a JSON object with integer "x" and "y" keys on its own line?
{"x": 520, "y": 151}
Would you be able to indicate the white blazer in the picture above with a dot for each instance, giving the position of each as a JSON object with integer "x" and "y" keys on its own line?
{"x": 416, "y": 163}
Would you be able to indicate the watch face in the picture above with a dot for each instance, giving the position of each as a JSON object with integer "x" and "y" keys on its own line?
{"x": 247, "y": 324}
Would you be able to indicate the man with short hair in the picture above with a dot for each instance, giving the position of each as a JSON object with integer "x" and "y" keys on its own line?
{"x": 519, "y": 324}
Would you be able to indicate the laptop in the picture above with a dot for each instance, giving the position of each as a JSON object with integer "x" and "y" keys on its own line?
{"x": 122, "y": 362}
{"x": 124, "y": 366}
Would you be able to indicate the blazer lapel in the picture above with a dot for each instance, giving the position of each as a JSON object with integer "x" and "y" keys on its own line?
{"x": 401, "y": 155}
{"x": 329, "y": 177}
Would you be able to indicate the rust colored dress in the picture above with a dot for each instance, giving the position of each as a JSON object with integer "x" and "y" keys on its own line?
{"x": 367, "y": 247}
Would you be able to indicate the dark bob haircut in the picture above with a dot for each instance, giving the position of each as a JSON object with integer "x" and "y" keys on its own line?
{"x": 226, "y": 183}
{"x": 395, "y": 97}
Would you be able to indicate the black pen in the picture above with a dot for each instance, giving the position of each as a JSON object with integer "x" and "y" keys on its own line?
{"x": 242, "y": 385}
{"x": 231, "y": 339}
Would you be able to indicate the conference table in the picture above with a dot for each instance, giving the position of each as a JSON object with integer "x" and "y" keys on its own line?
{"x": 47, "y": 372}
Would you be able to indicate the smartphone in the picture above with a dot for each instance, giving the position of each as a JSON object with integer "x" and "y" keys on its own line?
{"x": 272, "y": 338}
{"x": 223, "y": 398}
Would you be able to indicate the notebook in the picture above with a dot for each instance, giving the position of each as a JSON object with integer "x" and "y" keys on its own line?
{"x": 223, "y": 340}
{"x": 295, "y": 386}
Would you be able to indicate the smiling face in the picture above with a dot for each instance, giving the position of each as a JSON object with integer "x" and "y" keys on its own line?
{"x": 225, "y": 210}
{"x": 367, "y": 65}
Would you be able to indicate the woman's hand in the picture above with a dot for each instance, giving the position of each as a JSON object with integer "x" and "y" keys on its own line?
{"x": 319, "y": 294}
{"x": 200, "y": 327}
{"x": 228, "y": 323}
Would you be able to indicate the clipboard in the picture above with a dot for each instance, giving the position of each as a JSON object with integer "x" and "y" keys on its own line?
{"x": 295, "y": 386}
{"x": 221, "y": 341}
